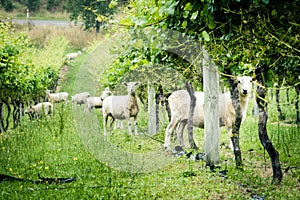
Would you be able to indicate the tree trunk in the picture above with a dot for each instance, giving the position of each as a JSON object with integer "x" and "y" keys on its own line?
{"x": 16, "y": 113}
{"x": 191, "y": 92}
{"x": 280, "y": 116}
{"x": 1, "y": 118}
{"x": 158, "y": 99}
{"x": 297, "y": 88}
{"x": 4, "y": 122}
{"x": 235, "y": 137}
{"x": 262, "y": 126}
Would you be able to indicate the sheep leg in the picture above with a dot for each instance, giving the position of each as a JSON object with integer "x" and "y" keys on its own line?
{"x": 129, "y": 126}
{"x": 169, "y": 131}
{"x": 180, "y": 130}
{"x": 105, "y": 118}
{"x": 229, "y": 131}
{"x": 135, "y": 126}
{"x": 111, "y": 124}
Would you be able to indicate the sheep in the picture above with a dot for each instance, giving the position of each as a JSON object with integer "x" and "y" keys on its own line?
{"x": 96, "y": 102}
{"x": 122, "y": 107}
{"x": 179, "y": 102}
{"x": 72, "y": 56}
{"x": 80, "y": 98}
{"x": 37, "y": 110}
{"x": 57, "y": 97}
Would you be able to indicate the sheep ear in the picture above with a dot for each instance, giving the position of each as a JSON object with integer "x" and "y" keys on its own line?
{"x": 125, "y": 84}
{"x": 136, "y": 83}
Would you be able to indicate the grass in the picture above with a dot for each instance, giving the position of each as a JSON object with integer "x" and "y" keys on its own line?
{"x": 76, "y": 36}
{"x": 70, "y": 144}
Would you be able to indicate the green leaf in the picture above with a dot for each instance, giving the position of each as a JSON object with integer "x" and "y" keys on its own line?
{"x": 184, "y": 24}
{"x": 194, "y": 15}
{"x": 205, "y": 36}
{"x": 274, "y": 13}
{"x": 188, "y": 7}
{"x": 211, "y": 23}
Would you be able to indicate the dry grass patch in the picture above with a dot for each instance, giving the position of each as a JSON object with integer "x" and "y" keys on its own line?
{"x": 76, "y": 36}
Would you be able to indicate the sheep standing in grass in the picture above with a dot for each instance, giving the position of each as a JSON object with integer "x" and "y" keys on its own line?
{"x": 57, "y": 97}
{"x": 37, "y": 110}
{"x": 122, "y": 107}
{"x": 96, "y": 102}
{"x": 179, "y": 102}
{"x": 72, "y": 56}
{"x": 80, "y": 98}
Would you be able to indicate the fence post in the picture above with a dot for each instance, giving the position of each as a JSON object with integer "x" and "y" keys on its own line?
{"x": 211, "y": 110}
{"x": 151, "y": 110}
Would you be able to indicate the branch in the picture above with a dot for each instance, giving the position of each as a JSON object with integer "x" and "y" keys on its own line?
{"x": 284, "y": 43}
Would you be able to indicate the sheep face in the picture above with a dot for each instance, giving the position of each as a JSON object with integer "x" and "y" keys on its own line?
{"x": 131, "y": 87}
{"x": 105, "y": 94}
{"x": 244, "y": 85}
{"x": 29, "y": 110}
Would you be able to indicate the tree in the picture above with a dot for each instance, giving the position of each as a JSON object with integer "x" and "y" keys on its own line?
{"x": 7, "y": 5}
{"x": 33, "y": 5}
{"x": 91, "y": 12}
{"x": 54, "y": 4}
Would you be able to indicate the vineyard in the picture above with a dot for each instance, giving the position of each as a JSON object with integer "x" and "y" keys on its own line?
{"x": 160, "y": 45}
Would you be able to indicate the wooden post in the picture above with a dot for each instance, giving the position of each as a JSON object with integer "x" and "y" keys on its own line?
{"x": 211, "y": 110}
{"x": 151, "y": 110}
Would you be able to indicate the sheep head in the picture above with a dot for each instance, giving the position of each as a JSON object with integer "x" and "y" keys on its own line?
{"x": 244, "y": 85}
{"x": 131, "y": 86}
{"x": 29, "y": 110}
{"x": 105, "y": 94}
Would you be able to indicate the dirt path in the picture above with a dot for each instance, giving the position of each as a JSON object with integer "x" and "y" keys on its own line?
{"x": 62, "y": 76}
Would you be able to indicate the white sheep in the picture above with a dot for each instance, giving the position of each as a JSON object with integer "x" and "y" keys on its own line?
{"x": 37, "y": 110}
{"x": 57, "y": 97}
{"x": 80, "y": 98}
{"x": 179, "y": 102}
{"x": 72, "y": 56}
{"x": 122, "y": 107}
{"x": 96, "y": 102}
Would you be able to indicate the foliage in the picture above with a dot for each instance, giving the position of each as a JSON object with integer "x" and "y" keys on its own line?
{"x": 25, "y": 72}
{"x": 14, "y": 68}
{"x": 93, "y": 13}
{"x": 7, "y": 5}
{"x": 32, "y": 5}
{"x": 240, "y": 35}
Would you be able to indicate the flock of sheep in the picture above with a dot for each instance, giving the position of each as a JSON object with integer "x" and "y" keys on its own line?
{"x": 127, "y": 106}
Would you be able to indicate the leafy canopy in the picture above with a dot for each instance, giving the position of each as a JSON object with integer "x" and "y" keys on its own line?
{"x": 239, "y": 35}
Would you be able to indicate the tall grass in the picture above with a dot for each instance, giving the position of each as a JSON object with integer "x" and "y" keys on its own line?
{"x": 77, "y": 38}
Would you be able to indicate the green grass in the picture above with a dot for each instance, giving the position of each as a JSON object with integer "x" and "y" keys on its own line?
{"x": 70, "y": 144}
